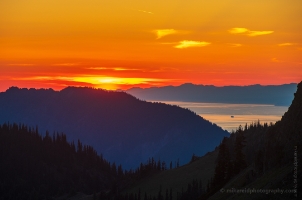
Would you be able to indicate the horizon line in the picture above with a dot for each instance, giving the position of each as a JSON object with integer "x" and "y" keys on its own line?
{"x": 135, "y": 87}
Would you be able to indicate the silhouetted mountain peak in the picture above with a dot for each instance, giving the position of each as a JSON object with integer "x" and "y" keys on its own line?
{"x": 12, "y": 89}
{"x": 295, "y": 109}
{"x": 290, "y": 125}
{"x": 187, "y": 85}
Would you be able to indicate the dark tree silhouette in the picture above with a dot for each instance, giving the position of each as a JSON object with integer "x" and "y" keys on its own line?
{"x": 240, "y": 162}
{"x": 224, "y": 166}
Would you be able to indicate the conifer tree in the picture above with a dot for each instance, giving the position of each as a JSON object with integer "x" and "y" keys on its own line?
{"x": 223, "y": 164}
{"x": 240, "y": 162}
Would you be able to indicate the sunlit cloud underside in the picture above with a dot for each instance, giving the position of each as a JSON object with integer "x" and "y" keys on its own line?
{"x": 105, "y": 82}
{"x": 286, "y": 44}
{"x": 245, "y": 31}
{"x": 115, "y": 68}
{"x": 227, "y": 43}
{"x": 189, "y": 43}
{"x": 164, "y": 32}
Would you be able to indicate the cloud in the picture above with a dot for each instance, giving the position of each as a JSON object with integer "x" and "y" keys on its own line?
{"x": 90, "y": 80}
{"x": 43, "y": 78}
{"x": 235, "y": 44}
{"x": 108, "y": 82}
{"x": 95, "y": 80}
{"x": 238, "y": 30}
{"x": 65, "y": 64}
{"x": 144, "y": 11}
{"x": 21, "y": 64}
{"x": 189, "y": 43}
{"x": 114, "y": 68}
{"x": 286, "y": 44}
{"x": 98, "y": 68}
{"x": 245, "y": 31}
{"x": 275, "y": 60}
{"x": 124, "y": 69}
{"x": 164, "y": 32}
{"x": 163, "y": 69}
{"x": 257, "y": 33}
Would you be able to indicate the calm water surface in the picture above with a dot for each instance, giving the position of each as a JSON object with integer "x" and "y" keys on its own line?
{"x": 221, "y": 113}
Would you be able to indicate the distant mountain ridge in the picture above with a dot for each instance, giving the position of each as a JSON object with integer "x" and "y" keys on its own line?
{"x": 280, "y": 95}
{"x": 271, "y": 153}
{"x": 121, "y": 127}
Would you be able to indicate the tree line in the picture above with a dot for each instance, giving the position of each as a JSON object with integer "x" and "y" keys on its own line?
{"x": 33, "y": 166}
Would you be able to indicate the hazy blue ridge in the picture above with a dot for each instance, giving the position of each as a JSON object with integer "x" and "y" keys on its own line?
{"x": 279, "y": 95}
{"x": 121, "y": 127}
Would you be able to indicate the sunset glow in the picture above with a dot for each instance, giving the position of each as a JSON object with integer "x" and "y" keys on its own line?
{"x": 119, "y": 45}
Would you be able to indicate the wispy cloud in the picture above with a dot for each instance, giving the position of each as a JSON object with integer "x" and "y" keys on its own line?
{"x": 164, "y": 69}
{"x": 245, "y": 31}
{"x": 43, "y": 78}
{"x": 286, "y": 44}
{"x": 275, "y": 60}
{"x": 21, "y": 64}
{"x": 164, "y": 32}
{"x": 65, "y": 64}
{"x": 116, "y": 80}
{"x": 95, "y": 80}
{"x": 235, "y": 44}
{"x": 238, "y": 30}
{"x": 98, "y": 68}
{"x": 257, "y": 33}
{"x": 125, "y": 69}
{"x": 190, "y": 43}
{"x": 104, "y": 82}
{"x": 144, "y": 11}
{"x": 114, "y": 68}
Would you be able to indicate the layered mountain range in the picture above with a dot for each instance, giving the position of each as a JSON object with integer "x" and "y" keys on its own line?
{"x": 280, "y": 95}
{"x": 123, "y": 128}
{"x": 42, "y": 167}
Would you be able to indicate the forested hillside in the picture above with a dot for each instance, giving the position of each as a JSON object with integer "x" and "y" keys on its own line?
{"x": 257, "y": 161}
{"x": 47, "y": 167}
{"x": 124, "y": 129}
{"x": 262, "y": 157}
{"x": 36, "y": 167}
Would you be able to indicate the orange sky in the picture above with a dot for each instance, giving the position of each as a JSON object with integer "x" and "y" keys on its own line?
{"x": 121, "y": 44}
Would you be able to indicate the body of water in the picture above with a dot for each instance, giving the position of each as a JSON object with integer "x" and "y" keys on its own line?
{"x": 230, "y": 116}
